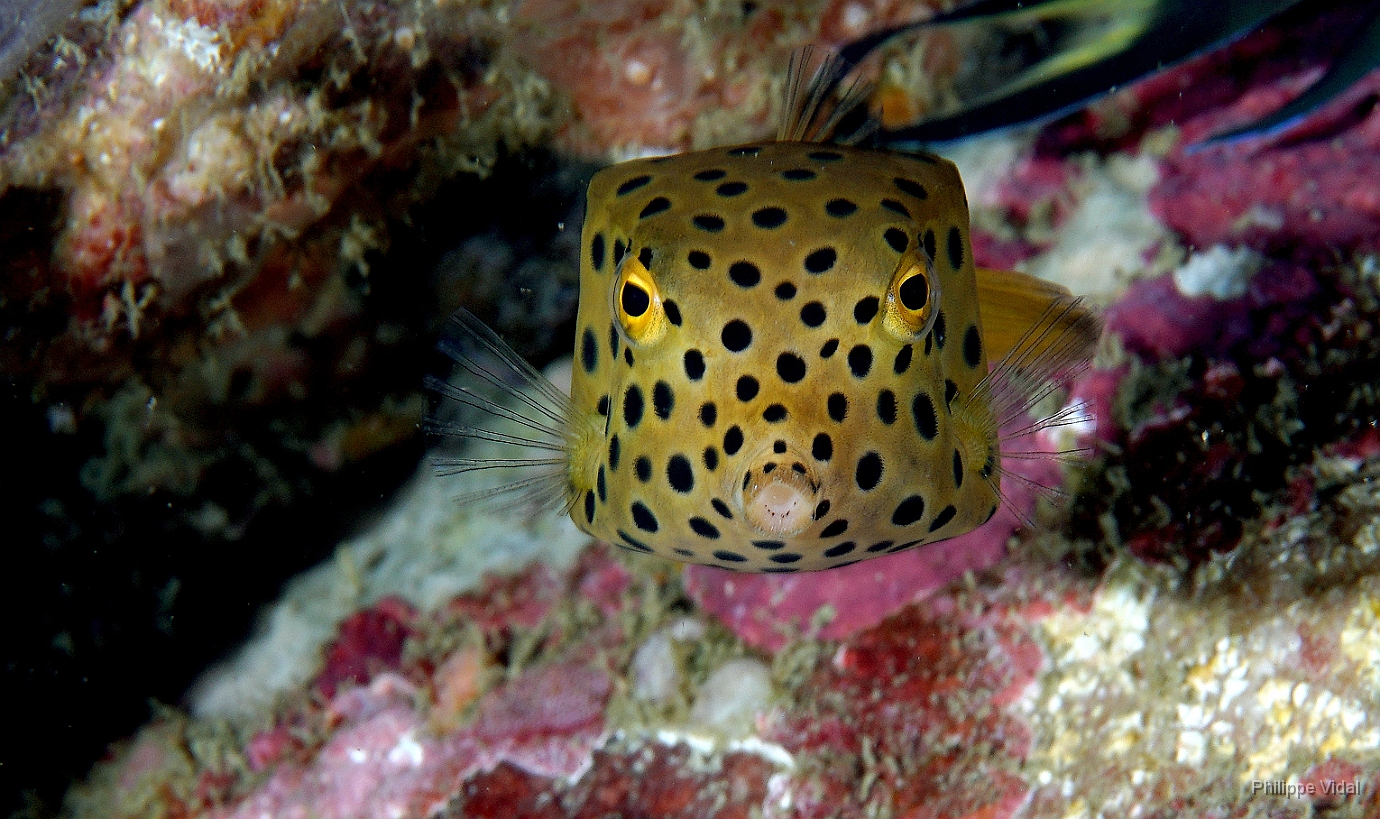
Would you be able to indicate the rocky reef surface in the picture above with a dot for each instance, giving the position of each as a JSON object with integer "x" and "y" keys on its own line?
{"x": 232, "y": 230}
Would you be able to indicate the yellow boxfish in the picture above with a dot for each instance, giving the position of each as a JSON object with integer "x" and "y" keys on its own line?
{"x": 781, "y": 356}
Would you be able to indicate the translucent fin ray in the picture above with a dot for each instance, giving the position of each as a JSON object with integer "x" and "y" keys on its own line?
{"x": 498, "y": 414}
{"x": 815, "y": 110}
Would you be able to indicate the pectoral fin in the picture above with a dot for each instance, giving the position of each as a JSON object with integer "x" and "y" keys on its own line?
{"x": 1021, "y": 311}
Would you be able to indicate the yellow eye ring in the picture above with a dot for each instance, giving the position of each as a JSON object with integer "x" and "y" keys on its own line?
{"x": 637, "y": 303}
{"x": 911, "y": 299}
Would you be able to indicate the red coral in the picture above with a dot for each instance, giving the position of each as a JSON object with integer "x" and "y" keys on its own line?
{"x": 652, "y": 781}
{"x": 924, "y": 688}
{"x": 368, "y": 642}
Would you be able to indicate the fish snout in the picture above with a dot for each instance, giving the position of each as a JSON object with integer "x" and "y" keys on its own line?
{"x": 779, "y": 490}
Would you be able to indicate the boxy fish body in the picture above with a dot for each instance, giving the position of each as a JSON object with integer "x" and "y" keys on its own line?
{"x": 781, "y": 360}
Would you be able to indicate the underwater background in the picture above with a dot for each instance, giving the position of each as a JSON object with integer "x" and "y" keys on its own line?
{"x": 232, "y": 231}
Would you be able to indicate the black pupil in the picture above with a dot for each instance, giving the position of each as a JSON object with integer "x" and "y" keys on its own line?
{"x": 635, "y": 300}
{"x": 914, "y": 292}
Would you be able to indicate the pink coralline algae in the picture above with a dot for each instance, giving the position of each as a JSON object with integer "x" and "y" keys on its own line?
{"x": 895, "y": 719}
{"x": 369, "y": 641}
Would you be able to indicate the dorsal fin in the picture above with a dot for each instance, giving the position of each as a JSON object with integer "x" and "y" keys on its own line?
{"x": 816, "y": 109}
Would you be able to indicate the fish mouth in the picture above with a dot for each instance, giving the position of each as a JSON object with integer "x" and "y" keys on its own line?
{"x": 779, "y": 491}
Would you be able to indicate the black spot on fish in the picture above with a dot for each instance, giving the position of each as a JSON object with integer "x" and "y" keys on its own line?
{"x": 613, "y": 340}
{"x": 785, "y": 291}
{"x": 790, "y": 367}
{"x": 679, "y": 474}
{"x": 596, "y": 251}
{"x": 869, "y": 471}
{"x": 860, "y": 360}
{"x": 958, "y": 470}
{"x": 733, "y": 440}
{"x": 886, "y": 406}
{"x": 822, "y": 447}
{"x": 721, "y": 508}
{"x": 835, "y": 529}
{"x": 911, "y": 188}
{"x": 769, "y": 545}
{"x": 950, "y": 393}
{"x": 731, "y": 189}
{"x": 909, "y": 511}
{"x": 645, "y": 257}
{"x": 615, "y": 453}
{"x": 744, "y": 274}
{"x": 778, "y": 447}
{"x": 634, "y": 542}
{"x": 785, "y": 557}
{"x": 879, "y": 547}
{"x": 839, "y": 208}
{"x": 589, "y": 507}
{"x": 903, "y": 357}
{"x": 704, "y": 528}
{"x": 798, "y": 175}
{"x": 769, "y": 218}
{"x": 926, "y": 422}
{"x": 941, "y": 330}
{"x": 711, "y": 175}
{"x": 663, "y": 400}
{"x": 589, "y": 350}
{"x": 841, "y": 549}
{"x": 838, "y": 406}
{"x": 829, "y": 348}
{"x": 619, "y": 250}
{"x": 698, "y": 259}
{"x": 972, "y": 346}
{"x": 603, "y": 405}
{"x": 813, "y": 314}
{"x": 601, "y": 483}
{"x": 632, "y": 406}
{"x": 747, "y": 388}
{"x": 945, "y": 515}
{"x": 710, "y": 458}
{"x": 822, "y": 509}
{"x": 643, "y": 517}
{"x": 659, "y": 204}
{"x": 955, "y": 248}
{"x": 729, "y": 557}
{"x": 736, "y": 335}
{"x": 774, "y": 414}
{"x": 896, "y": 207}
{"x": 708, "y": 223}
{"x": 672, "y": 312}
{"x": 821, "y": 261}
{"x": 865, "y": 309}
{"x": 708, "y": 413}
{"x": 930, "y": 245}
{"x": 694, "y": 365}
{"x": 896, "y": 239}
{"x": 643, "y": 467}
{"x": 628, "y": 356}
{"x": 632, "y": 185}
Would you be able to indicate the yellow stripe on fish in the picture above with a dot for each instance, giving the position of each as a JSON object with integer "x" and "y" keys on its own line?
{"x": 781, "y": 359}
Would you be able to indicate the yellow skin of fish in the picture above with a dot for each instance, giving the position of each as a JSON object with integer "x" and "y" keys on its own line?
{"x": 669, "y": 479}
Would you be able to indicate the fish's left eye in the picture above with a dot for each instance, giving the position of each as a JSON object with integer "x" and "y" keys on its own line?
{"x": 637, "y": 303}
{"x": 910, "y": 299}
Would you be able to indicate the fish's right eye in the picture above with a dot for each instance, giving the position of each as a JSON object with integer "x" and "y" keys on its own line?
{"x": 634, "y": 300}
{"x": 910, "y": 299}
{"x": 637, "y": 302}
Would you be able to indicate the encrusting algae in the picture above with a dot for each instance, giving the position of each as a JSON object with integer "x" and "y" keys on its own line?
{"x": 782, "y": 355}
